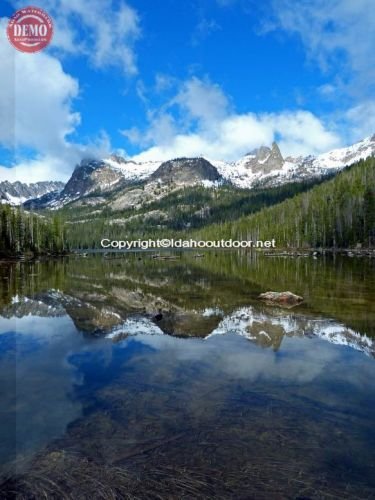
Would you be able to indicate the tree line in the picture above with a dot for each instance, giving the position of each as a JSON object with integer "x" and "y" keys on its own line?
{"x": 336, "y": 214}
{"x": 24, "y": 232}
{"x": 178, "y": 212}
{"x": 339, "y": 212}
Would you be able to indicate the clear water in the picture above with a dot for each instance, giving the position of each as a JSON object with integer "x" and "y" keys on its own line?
{"x": 221, "y": 396}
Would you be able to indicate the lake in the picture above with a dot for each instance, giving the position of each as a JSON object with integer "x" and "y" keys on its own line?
{"x": 126, "y": 376}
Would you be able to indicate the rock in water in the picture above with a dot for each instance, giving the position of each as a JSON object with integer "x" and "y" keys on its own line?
{"x": 286, "y": 299}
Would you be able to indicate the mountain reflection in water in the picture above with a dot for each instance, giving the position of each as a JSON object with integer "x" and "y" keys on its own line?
{"x": 170, "y": 379}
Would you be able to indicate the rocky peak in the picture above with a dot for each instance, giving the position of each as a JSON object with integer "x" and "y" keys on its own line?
{"x": 264, "y": 159}
{"x": 262, "y": 153}
{"x": 16, "y": 193}
{"x": 91, "y": 176}
{"x": 119, "y": 159}
{"x": 186, "y": 171}
{"x": 264, "y": 167}
{"x": 276, "y": 153}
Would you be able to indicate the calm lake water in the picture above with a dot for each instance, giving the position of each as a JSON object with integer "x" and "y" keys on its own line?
{"x": 132, "y": 377}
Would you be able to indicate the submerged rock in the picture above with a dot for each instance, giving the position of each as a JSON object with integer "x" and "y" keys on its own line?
{"x": 286, "y": 299}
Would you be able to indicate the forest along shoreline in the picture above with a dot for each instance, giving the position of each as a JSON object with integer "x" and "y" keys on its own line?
{"x": 334, "y": 216}
{"x": 278, "y": 252}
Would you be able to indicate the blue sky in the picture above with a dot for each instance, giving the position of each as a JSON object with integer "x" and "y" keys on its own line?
{"x": 155, "y": 80}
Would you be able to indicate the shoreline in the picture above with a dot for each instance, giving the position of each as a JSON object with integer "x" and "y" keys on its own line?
{"x": 281, "y": 252}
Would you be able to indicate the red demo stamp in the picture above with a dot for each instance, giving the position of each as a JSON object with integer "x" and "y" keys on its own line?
{"x": 30, "y": 29}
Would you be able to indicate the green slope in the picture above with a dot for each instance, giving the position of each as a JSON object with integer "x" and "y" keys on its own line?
{"x": 338, "y": 213}
{"x": 178, "y": 212}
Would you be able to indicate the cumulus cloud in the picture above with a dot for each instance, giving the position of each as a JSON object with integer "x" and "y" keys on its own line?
{"x": 37, "y": 115}
{"x": 55, "y": 166}
{"x": 200, "y": 120}
{"x": 98, "y": 29}
{"x": 337, "y": 35}
{"x": 202, "y": 100}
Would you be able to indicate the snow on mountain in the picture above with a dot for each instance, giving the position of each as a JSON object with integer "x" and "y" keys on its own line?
{"x": 95, "y": 180}
{"x": 135, "y": 326}
{"x": 17, "y": 193}
{"x": 130, "y": 169}
{"x": 269, "y": 329}
{"x": 345, "y": 156}
{"x": 266, "y": 167}
{"x": 186, "y": 171}
{"x": 97, "y": 177}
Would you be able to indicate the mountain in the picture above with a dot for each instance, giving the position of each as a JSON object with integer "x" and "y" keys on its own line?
{"x": 187, "y": 171}
{"x": 264, "y": 160}
{"x": 97, "y": 179}
{"x": 266, "y": 167}
{"x": 267, "y": 328}
{"x": 337, "y": 213}
{"x": 124, "y": 183}
{"x": 105, "y": 176}
{"x": 16, "y": 193}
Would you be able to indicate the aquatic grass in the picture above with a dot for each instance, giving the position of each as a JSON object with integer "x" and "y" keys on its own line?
{"x": 62, "y": 476}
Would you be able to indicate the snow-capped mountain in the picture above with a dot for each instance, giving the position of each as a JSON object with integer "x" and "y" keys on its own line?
{"x": 94, "y": 180}
{"x": 268, "y": 329}
{"x": 16, "y": 193}
{"x": 267, "y": 167}
{"x": 131, "y": 170}
{"x": 99, "y": 178}
{"x": 265, "y": 327}
{"x": 186, "y": 171}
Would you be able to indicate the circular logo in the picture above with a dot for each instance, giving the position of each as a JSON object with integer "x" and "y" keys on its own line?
{"x": 30, "y": 29}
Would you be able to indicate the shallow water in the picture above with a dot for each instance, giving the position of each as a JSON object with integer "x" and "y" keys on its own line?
{"x": 174, "y": 373}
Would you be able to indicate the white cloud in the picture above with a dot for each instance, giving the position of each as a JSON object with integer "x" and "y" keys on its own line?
{"x": 360, "y": 119}
{"x": 36, "y": 114}
{"x": 199, "y": 120}
{"x": 95, "y": 28}
{"x": 301, "y": 132}
{"x": 46, "y": 167}
{"x": 55, "y": 165}
{"x": 37, "y": 98}
{"x": 338, "y": 34}
{"x": 202, "y": 100}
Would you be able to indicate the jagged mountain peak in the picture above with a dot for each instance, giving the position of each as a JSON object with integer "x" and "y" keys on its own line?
{"x": 262, "y": 152}
{"x": 265, "y": 166}
{"x": 89, "y": 176}
{"x": 16, "y": 193}
{"x": 263, "y": 160}
{"x": 275, "y": 150}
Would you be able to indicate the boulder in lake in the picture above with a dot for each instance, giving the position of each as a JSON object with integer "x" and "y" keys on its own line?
{"x": 284, "y": 299}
